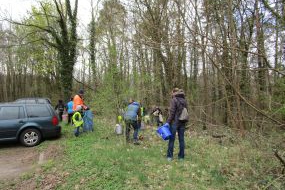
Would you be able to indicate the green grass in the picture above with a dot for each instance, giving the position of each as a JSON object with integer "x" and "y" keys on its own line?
{"x": 102, "y": 160}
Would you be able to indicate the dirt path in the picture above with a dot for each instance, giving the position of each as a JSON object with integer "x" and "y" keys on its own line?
{"x": 16, "y": 160}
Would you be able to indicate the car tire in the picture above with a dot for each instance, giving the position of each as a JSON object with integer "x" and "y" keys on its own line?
{"x": 30, "y": 137}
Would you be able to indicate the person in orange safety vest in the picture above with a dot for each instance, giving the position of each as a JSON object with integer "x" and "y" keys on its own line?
{"x": 78, "y": 100}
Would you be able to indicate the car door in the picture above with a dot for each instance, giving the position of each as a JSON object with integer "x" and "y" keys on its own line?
{"x": 11, "y": 119}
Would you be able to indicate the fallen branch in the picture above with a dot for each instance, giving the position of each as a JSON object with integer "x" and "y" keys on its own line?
{"x": 279, "y": 158}
{"x": 218, "y": 136}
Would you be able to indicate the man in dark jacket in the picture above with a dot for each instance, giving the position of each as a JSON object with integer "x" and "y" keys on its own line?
{"x": 177, "y": 104}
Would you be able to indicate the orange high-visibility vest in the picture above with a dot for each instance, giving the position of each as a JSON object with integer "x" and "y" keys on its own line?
{"x": 77, "y": 100}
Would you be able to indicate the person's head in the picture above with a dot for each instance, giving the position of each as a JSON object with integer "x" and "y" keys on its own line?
{"x": 60, "y": 101}
{"x": 71, "y": 98}
{"x": 131, "y": 100}
{"x": 81, "y": 92}
{"x": 178, "y": 92}
{"x": 175, "y": 91}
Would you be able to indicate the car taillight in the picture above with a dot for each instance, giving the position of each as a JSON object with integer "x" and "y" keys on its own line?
{"x": 54, "y": 121}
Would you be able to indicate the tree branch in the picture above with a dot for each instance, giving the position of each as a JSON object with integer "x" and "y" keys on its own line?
{"x": 85, "y": 85}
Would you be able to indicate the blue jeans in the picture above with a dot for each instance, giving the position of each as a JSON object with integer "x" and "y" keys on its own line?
{"x": 180, "y": 129}
{"x": 129, "y": 125}
{"x": 139, "y": 123}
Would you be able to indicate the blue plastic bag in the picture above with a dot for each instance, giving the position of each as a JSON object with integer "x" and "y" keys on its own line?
{"x": 88, "y": 121}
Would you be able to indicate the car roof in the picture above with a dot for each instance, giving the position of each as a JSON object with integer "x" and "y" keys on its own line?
{"x": 18, "y": 104}
{"x": 37, "y": 100}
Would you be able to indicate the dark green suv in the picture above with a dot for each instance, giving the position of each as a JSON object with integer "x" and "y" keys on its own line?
{"x": 28, "y": 123}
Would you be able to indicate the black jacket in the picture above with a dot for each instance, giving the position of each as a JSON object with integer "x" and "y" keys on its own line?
{"x": 60, "y": 107}
{"x": 177, "y": 104}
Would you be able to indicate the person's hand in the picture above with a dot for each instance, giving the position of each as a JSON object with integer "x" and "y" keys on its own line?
{"x": 85, "y": 107}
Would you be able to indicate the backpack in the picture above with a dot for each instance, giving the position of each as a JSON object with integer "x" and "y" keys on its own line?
{"x": 184, "y": 115}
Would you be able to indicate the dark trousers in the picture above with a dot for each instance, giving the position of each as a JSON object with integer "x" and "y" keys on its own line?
{"x": 180, "y": 129}
{"x": 129, "y": 125}
{"x": 60, "y": 115}
{"x": 77, "y": 131}
{"x": 69, "y": 118}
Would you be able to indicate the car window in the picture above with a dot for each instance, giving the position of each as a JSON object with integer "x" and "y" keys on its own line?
{"x": 9, "y": 112}
{"x": 37, "y": 111}
{"x": 21, "y": 113}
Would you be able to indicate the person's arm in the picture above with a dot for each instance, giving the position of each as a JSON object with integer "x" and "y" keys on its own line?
{"x": 171, "y": 111}
{"x": 83, "y": 104}
{"x": 139, "y": 114}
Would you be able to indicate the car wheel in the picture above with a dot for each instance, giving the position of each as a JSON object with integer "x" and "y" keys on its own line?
{"x": 30, "y": 137}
